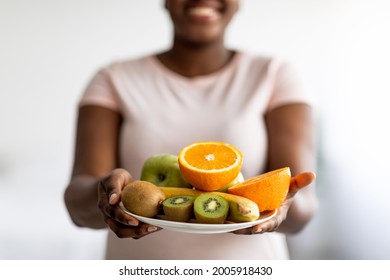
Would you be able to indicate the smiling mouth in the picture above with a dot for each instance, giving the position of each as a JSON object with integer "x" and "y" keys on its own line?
{"x": 204, "y": 13}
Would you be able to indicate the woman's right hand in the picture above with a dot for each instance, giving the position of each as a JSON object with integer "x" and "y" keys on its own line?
{"x": 109, "y": 196}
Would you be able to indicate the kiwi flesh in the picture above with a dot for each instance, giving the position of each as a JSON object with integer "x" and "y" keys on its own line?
{"x": 179, "y": 208}
{"x": 211, "y": 209}
{"x": 142, "y": 198}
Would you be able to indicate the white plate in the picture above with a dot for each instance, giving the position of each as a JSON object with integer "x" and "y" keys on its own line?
{"x": 197, "y": 227}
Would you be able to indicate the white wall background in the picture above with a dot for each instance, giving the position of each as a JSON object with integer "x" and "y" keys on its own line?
{"x": 49, "y": 50}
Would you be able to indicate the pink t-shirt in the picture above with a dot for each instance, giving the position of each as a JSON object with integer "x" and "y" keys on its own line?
{"x": 163, "y": 111}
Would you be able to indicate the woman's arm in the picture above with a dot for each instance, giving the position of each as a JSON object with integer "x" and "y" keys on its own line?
{"x": 95, "y": 156}
{"x": 292, "y": 143}
{"x": 94, "y": 192}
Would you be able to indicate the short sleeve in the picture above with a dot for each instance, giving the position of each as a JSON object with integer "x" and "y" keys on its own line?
{"x": 288, "y": 88}
{"x": 101, "y": 92}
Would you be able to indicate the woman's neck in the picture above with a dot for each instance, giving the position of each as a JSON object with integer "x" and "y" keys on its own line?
{"x": 195, "y": 59}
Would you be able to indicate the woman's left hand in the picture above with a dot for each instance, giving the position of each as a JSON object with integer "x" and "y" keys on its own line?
{"x": 297, "y": 183}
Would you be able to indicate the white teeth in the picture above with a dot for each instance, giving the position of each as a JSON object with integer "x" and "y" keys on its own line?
{"x": 202, "y": 11}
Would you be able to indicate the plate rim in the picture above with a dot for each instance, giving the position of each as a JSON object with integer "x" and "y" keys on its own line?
{"x": 198, "y": 227}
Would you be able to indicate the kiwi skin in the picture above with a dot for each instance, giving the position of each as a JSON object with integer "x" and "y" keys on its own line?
{"x": 179, "y": 208}
{"x": 211, "y": 209}
{"x": 142, "y": 198}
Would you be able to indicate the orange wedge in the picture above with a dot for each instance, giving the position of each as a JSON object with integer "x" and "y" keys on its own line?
{"x": 210, "y": 165}
{"x": 268, "y": 190}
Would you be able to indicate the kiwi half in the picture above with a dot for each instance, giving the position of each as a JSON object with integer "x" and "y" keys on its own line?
{"x": 179, "y": 208}
{"x": 211, "y": 209}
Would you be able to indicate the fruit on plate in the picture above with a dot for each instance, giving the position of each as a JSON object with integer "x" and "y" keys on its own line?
{"x": 237, "y": 180}
{"x": 142, "y": 198}
{"x": 268, "y": 190}
{"x": 163, "y": 170}
{"x": 210, "y": 209}
{"x": 241, "y": 209}
{"x": 210, "y": 165}
{"x": 179, "y": 208}
{"x": 172, "y": 191}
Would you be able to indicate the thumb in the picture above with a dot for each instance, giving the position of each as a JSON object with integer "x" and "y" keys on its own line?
{"x": 301, "y": 180}
{"x": 114, "y": 183}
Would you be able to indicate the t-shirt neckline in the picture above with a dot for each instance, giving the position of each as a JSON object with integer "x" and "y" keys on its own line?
{"x": 159, "y": 66}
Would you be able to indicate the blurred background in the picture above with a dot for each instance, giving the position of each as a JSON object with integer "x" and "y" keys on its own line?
{"x": 50, "y": 49}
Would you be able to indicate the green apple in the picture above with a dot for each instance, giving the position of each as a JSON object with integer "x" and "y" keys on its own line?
{"x": 163, "y": 171}
{"x": 238, "y": 179}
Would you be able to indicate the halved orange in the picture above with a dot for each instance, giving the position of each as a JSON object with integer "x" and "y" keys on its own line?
{"x": 210, "y": 165}
{"x": 268, "y": 190}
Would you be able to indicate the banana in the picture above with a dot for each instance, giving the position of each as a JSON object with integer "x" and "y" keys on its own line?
{"x": 174, "y": 191}
{"x": 241, "y": 209}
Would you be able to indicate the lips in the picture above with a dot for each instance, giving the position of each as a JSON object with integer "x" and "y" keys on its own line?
{"x": 204, "y": 10}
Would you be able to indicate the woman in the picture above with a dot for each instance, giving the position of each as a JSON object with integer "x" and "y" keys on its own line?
{"x": 197, "y": 90}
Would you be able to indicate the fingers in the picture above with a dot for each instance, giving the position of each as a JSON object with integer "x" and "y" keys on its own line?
{"x": 270, "y": 225}
{"x": 301, "y": 180}
{"x": 116, "y": 213}
{"x": 267, "y": 226}
{"x": 109, "y": 190}
{"x": 123, "y": 231}
{"x": 109, "y": 195}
